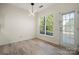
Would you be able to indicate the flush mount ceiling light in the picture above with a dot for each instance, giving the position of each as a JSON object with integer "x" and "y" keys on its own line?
{"x": 32, "y": 12}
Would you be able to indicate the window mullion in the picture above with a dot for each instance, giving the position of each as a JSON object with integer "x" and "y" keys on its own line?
{"x": 45, "y": 24}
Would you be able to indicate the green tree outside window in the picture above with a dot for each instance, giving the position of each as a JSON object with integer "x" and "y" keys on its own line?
{"x": 46, "y": 24}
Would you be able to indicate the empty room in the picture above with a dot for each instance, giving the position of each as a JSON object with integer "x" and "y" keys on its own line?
{"x": 39, "y": 28}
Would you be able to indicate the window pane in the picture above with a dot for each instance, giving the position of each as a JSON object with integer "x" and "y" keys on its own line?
{"x": 67, "y": 16}
{"x": 64, "y": 16}
{"x": 49, "y": 25}
{"x": 71, "y": 15}
{"x": 68, "y": 23}
{"x": 68, "y": 28}
{"x": 42, "y": 25}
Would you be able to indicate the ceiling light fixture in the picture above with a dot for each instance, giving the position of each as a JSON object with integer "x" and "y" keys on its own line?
{"x": 32, "y": 12}
{"x": 32, "y": 6}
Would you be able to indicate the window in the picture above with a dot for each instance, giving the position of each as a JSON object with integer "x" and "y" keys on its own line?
{"x": 68, "y": 28}
{"x": 68, "y": 22}
{"x": 46, "y": 25}
{"x": 42, "y": 25}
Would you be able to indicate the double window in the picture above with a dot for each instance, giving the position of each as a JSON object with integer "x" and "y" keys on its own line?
{"x": 46, "y": 25}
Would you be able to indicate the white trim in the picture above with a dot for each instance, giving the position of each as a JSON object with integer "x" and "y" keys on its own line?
{"x": 46, "y": 35}
{"x": 45, "y": 24}
{"x": 75, "y": 28}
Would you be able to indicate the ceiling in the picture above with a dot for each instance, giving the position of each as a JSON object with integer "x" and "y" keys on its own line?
{"x": 27, "y": 6}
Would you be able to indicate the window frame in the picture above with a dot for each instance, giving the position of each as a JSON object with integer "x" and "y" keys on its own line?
{"x": 45, "y": 16}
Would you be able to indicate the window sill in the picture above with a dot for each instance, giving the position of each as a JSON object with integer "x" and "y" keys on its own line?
{"x": 47, "y": 35}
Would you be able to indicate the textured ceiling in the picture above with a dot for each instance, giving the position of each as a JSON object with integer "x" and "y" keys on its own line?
{"x": 27, "y": 6}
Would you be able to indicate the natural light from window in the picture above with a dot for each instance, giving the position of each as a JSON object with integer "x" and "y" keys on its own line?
{"x": 46, "y": 25}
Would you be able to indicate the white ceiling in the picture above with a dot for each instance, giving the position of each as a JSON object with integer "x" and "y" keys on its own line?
{"x": 27, "y": 6}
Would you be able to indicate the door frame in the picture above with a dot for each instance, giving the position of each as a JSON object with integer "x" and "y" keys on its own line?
{"x": 61, "y": 31}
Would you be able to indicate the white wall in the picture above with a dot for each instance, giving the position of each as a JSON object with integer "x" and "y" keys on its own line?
{"x": 16, "y": 25}
{"x": 55, "y": 10}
